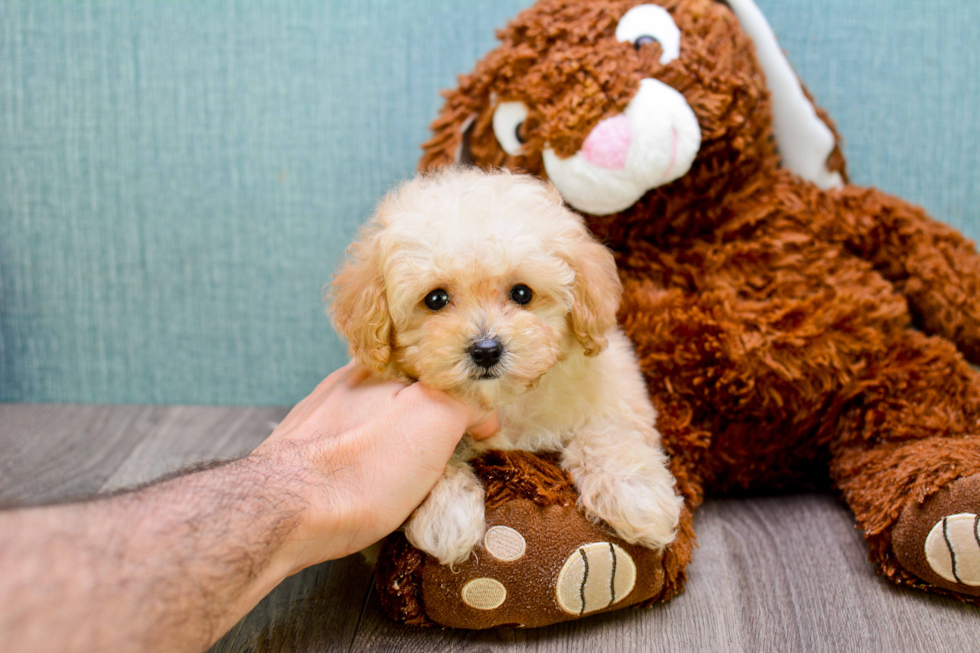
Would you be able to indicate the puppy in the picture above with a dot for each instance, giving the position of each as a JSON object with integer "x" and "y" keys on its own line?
{"x": 485, "y": 286}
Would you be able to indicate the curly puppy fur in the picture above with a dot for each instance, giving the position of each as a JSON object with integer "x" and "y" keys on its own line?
{"x": 771, "y": 318}
{"x": 567, "y": 379}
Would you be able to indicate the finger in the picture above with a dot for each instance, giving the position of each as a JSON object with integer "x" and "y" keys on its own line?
{"x": 485, "y": 428}
{"x": 438, "y": 405}
{"x": 482, "y": 421}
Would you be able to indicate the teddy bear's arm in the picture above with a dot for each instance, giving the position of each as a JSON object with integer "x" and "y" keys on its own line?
{"x": 933, "y": 265}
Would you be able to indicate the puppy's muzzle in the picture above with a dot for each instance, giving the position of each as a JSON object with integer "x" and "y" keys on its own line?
{"x": 486, "y": 352}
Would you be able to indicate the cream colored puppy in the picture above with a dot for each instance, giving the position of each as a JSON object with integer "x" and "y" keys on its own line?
{"x": 485, "y": 286}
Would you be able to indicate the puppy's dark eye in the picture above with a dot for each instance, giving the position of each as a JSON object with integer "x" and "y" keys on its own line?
{"x": 436, "y": 299}
{"x": 643, "y": 40}
{"x": 517, "y": 132}
{"x": 521, "y": 294}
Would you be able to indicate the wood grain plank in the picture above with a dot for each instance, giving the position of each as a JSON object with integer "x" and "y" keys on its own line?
{"x": 318, "y": 609}
{"x": 774, "y": 573}
{"x": 54, "y": 452}
{"x": 184, "y": 435}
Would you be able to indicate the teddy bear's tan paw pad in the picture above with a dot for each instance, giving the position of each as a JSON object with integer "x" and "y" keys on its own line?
{"x": 484, "y": 593}
{"x": 596, "y": 576}
{"x": 939, "y": 540}
{"x": 537, "y": 566}
{"x": 504, "y": 543}
{"x": 952, "y": 548}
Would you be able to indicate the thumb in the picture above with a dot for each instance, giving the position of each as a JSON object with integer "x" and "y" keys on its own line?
{"x": 483, "y": 425}
{"x": 479, "y": 423}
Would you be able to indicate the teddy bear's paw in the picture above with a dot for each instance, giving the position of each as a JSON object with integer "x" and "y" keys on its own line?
{"x": 536, "y": 566}
{"x": 939, "y": 541}
{"x": 952, "y": 548}
{"x": 641, "y": 508}
{"x": 450, "y": 523}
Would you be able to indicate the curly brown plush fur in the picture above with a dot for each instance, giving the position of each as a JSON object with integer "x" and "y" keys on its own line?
{"x": 771, "y": 318}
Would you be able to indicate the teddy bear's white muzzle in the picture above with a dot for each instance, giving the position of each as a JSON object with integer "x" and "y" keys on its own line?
{"x": 652, "y": 143}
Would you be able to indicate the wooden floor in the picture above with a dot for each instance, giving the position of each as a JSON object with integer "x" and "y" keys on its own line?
{"x": 771, "y": 574}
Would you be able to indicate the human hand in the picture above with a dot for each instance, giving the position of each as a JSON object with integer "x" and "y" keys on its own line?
{"x": 201, "y": 548}
{"x": 361, "y": 455}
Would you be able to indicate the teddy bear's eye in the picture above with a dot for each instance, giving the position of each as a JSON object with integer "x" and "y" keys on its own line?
{"x": 437, "y": 299}
{"x": 508, "y": 126}
{"x": 521, "y": 294}
{"x": 643, "y": 40}
{"x": 648, "y": 23}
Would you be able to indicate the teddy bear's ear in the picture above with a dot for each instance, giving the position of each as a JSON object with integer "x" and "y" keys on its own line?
{"x": 464, "y": 156}
{"x": 451, "y": 130}
{"x": 805, "y": 137}
{"x": 450, "y": 142}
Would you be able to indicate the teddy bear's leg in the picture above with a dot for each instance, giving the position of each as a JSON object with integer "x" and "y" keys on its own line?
{"x": 541, "y": 561}
{"x": 906, "y": 455}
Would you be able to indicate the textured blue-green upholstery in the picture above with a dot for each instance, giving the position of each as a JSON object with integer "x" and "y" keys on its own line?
{"x": 178, "y": 179}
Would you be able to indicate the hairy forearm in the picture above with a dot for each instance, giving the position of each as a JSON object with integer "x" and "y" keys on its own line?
{"x": 172, "y": 566}
{"x": 167, "y": 568}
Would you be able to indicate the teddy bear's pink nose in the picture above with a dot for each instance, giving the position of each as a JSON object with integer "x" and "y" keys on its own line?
{"x": 609, "y": 143}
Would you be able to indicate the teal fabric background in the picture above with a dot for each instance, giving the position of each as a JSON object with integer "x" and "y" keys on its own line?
{"x": 178, "y": 179}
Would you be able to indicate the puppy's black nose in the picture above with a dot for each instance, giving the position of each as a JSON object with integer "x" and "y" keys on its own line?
{"x": 486, "y": 353}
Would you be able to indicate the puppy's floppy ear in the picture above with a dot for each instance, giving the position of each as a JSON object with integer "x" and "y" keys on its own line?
{"x": 359, "y": 308}
{"x": 597, "y": 290}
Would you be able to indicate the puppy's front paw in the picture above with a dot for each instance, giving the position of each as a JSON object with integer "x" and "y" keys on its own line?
{"x": 451, "y": 520}
{"x": 641, "y": 507}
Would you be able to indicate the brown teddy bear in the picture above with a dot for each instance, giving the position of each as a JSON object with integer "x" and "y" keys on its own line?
{"x": 770, "y": 304}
